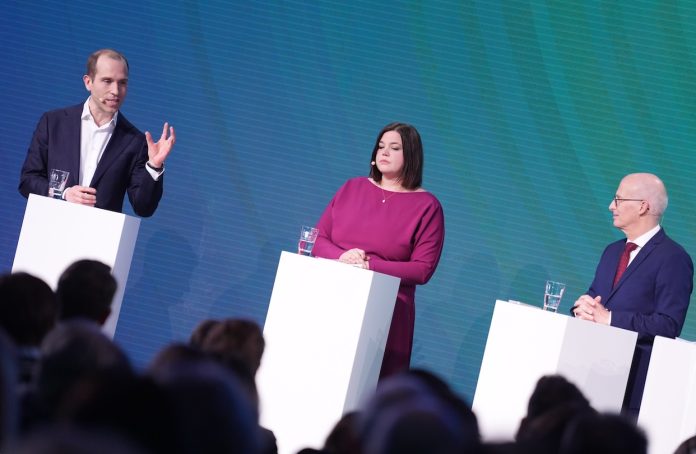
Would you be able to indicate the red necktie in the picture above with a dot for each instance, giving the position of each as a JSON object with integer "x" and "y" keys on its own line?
{"x": 623, "y": 262}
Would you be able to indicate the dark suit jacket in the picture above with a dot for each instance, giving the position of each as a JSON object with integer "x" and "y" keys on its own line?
{"x": 651, "y": 298}
{"x": 121, "y": 169}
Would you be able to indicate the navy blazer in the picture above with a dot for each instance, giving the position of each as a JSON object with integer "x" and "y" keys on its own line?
{"x": 121, "y": 169}
{"x": 651, "y": 298}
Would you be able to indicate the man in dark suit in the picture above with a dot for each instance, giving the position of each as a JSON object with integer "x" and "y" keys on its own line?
{"x": 643, "y": 283}
{"x": 105, "y": 154}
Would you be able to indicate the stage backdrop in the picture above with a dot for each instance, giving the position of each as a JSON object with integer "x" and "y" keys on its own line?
{"x": 530, "y": 113}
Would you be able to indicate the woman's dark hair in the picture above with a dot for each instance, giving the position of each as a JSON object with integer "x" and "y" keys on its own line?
{"x": 412, "y": 172}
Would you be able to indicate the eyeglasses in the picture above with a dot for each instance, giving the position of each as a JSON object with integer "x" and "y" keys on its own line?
{"x": 619, "y": 199}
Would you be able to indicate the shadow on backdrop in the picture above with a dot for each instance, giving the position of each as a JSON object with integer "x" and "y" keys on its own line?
{"x": 146, "y": 322}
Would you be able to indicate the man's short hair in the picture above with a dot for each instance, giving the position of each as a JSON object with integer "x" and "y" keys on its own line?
{"x": 85, "y": 290}
{"x": 28, "y": 308}
{"x": 234, "y": 339}
{"x": 111, "y": 53}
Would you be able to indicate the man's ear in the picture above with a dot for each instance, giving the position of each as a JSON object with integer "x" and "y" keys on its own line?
{"x": 644, "y": 207}
{"x": 88, "y": 82}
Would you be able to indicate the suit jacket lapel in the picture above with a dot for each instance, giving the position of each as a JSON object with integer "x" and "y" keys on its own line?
{"x": 72, "y": 144}
{"x": 119, "y": 140}
{"x": 643, "y": 254}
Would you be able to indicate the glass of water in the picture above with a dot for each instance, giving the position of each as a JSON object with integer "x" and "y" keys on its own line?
{"x": 552, "y": 295}
{"x": 56, "y": 183}
{"x": 308, "y": 235}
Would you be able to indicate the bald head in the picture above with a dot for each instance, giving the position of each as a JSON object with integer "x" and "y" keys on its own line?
{"x": 639, "y": 203}
{"x": 650, "y": 188}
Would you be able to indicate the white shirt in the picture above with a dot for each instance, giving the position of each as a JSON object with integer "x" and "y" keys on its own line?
{"x": 642, "y": 241}
{"x": 93, "y": 141}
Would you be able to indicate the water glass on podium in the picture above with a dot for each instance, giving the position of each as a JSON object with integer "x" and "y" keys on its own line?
{"x": 552, "y": 295}
{"x": 56, "y": 183}
{"x": 308, "y": 235}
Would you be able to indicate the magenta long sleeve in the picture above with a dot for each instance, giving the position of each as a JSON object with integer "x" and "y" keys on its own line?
{"x": 403, "y": 236}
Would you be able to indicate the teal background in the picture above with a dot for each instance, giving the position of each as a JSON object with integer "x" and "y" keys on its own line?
{"x": 530, "y": 113}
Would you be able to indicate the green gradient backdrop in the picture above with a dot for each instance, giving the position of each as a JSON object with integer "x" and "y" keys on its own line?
{"x": 530, "y": 112}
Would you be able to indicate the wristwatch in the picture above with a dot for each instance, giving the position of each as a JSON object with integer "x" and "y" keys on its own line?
{"x": 156, "y": 169}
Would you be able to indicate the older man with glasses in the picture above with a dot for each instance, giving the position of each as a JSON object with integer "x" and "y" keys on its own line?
{"x": 642, "y": 283}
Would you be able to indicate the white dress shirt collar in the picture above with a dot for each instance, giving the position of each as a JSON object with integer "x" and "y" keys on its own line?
{"x": 87, "y": 115}
{"x": 93, "y": 142}
{"x": 642, "y": 241}
{"x": 644, "y": 238}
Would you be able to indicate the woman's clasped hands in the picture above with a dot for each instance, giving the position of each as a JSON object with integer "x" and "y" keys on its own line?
{"x": 355, "y": 257}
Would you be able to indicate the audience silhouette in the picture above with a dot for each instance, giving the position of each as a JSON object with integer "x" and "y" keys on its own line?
{"x": 9, "y": 406}
{"x": 603, "y": 434}
{"x": 554, "y": 403}
{"x": 74, "y": 354}
{"x": 237, "y": 345}
{"x": 688, "y": 446}
{"x": 65, "y": 387}
{"x": 28, "y": 310}
{"x": 415, "y": 412}
{"x": 85, "y": 290}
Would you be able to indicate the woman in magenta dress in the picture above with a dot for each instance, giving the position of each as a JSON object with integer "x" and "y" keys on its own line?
{"x": 389, "y": 224}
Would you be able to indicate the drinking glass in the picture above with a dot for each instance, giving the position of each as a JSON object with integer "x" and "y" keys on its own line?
{"x": 56, "y": 183}
{"x": 308, "y": 235}
{"x": 552, "y": 295}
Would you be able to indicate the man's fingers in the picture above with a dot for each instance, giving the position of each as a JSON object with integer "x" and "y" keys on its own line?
{"x": 83, "y": 195}
{"x": 583, "y": 311}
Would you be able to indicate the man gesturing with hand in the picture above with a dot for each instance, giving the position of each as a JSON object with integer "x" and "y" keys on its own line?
{"x": 105, "y": 155}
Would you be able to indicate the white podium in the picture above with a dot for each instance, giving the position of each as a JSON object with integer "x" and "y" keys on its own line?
{"x": 325, "y": 333}
{"x": 668, "y": 409}
{"x": 56, "y": 233}
{"x": 524, "y": 343}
